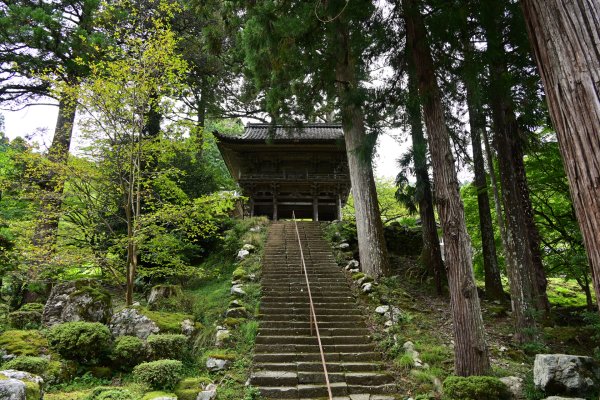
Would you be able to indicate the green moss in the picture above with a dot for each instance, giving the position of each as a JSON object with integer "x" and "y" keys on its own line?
{"x": 32, "y": 391}
{"x": 155, "y": 395}
{"x": 188, "y": 388}
{"x": 474, "y": 388}
{"x": 239, "y": 274}
{"x": 232, "y": 322}
{"x": 167, "y": 322}
{"x": 23, "y": 343}
{"x": 221, "y": 355}
{"x": 357, "y": 275}
{"x": 109, "y": 393}
{"x": 39, "y": 307}
{"x": 25, "y": 319}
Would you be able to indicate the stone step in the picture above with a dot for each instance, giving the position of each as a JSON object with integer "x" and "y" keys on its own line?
{"x": 315, "y": 356}
{"x": 305, "y": 331}
{"x": 357, "y": 319}
{"x": 323, "y": 310}
{"x": 285, "y": 378}
{"x": 312, "y": 340}
{"x": 317, "y": 366}
{"x": 307, "y": 348}
{"x": 287, "y": 324}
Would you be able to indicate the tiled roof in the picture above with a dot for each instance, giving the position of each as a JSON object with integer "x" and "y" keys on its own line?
{"x": 308, "y": 132}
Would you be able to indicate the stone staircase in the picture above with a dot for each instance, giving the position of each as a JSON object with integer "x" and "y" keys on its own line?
{"x": 287, "y": 362}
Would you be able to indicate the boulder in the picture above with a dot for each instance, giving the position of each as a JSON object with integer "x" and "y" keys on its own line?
{"x": 20, "y": 385}
{"x": 188, "y": 328}
{"x": 381, "y": 310}
{"x": 162, "y": 292}
{"x": 242, "y": 254}
{"x": 367, "y": 287}
{"x": 81, "y": 300}
{"x": 342, "y": 246}
{"x": 222, "y": 336}
{"x": 563, "y": 398}
{"x": 237, "y": 290}
{"x": 352, "y": 264}
{"x": 131, "y": 322}
{"x": 514, "y": 384}
{"x": 217, "y": 364}
{"x": 562, "y": 374}
{"x": 237, "y": 312}
{"x": 209, "y": 393}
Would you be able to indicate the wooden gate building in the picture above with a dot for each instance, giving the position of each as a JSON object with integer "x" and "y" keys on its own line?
{"x": 284, "y": 168}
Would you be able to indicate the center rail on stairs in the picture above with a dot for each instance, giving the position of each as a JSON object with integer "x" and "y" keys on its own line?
{"x": 313, "y": 315}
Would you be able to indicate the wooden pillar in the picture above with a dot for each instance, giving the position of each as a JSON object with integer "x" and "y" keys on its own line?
{"x": 275, "y": 217}
{"x": 339, "y": 207}
{"x": 251, "y": 205}
{"x": 315, "y": 208}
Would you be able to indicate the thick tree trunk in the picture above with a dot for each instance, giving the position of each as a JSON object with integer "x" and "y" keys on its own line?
{"x": 493, "y": 282}
{"x": 566, "y": 44}
{"x": 371, "y": 242}
{"x": 53, "y": 186}
{"x": 470, "y": 350}
{"x": 431, "y": 255}
{"x": 524, "y": 269}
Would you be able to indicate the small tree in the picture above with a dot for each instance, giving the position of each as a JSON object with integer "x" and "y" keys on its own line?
{"x": 118, "y": 98}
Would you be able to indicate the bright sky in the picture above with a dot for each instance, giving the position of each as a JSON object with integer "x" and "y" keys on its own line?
{"x": 37, "y": 124}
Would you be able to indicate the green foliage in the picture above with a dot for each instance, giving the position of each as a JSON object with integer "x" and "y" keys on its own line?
{"x": 157, "y": 394}
{"x": 474, "y": 388}
{"x": 85, "y": 342}
{"x": 85, "y": 381}
{"x": 161, "y": 374}
{"x": 35, "y": 365}
{"x": 25, "y": 319}
{"x": 188, "y": 388}
{"x": 23, "y": 343}
{"x": 39, "y": 307}
{"x": 128, "y": 351}
{"x": 109, "y": 393}
{"x": 168, "y": 346}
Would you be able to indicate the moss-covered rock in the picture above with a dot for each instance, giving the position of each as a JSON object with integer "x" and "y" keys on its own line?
{"x": 233, "y": 322}
{"x": 23, "y": 343}
{"x": 239, "y": 274}
{"x": 167, "y": 322}
{"x": 39, "y": 307}
{"x": 188, "y": 388}
{"x": 474, "y": 388}
{"x": 81, "y": 300}
{"x": 165, "y": 297}
{"x": 13, "y": 381}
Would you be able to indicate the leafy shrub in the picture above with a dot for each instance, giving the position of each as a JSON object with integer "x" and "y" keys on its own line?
{"x": 109, "y": 393}
{"x": 188, "y": 388}
{"x": 129, "y": 351}
{"x": 35, "y": 365}
{"x": 167, "y": 346}
{"x": 474, "y": 388}
{"x": 161, "y": 374}
{"x": 85, "y": 342}
{"x": 23, "y": 343}
{"x": 39, "y": 307}
{"x": 25, "y": 319}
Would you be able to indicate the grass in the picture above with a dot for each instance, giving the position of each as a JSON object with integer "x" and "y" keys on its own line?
{"x": 566, "y": 293}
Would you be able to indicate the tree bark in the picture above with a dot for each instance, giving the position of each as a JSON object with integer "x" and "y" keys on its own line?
{"x": 53, "y": 185}
{"x": 493, "y": 282}
{"x": 371, "y": 242}
{"x": 527, "y": 284}
{"x": 566, "y": 43}
{"x": 471, "y": 355}
{"x": 431, "y": 255}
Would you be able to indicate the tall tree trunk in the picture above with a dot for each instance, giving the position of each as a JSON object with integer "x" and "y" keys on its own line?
{"x": 471, "y": 355}
{"x": 523, "y": 273}
{"x": 371, "y": 242}
{"x": 493, "y": 282}
{"x": 566, "y": 44}
{"x": 495, "y": 188}
{"x": 58, "y": 154}
{"x": 431, "y": 255}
